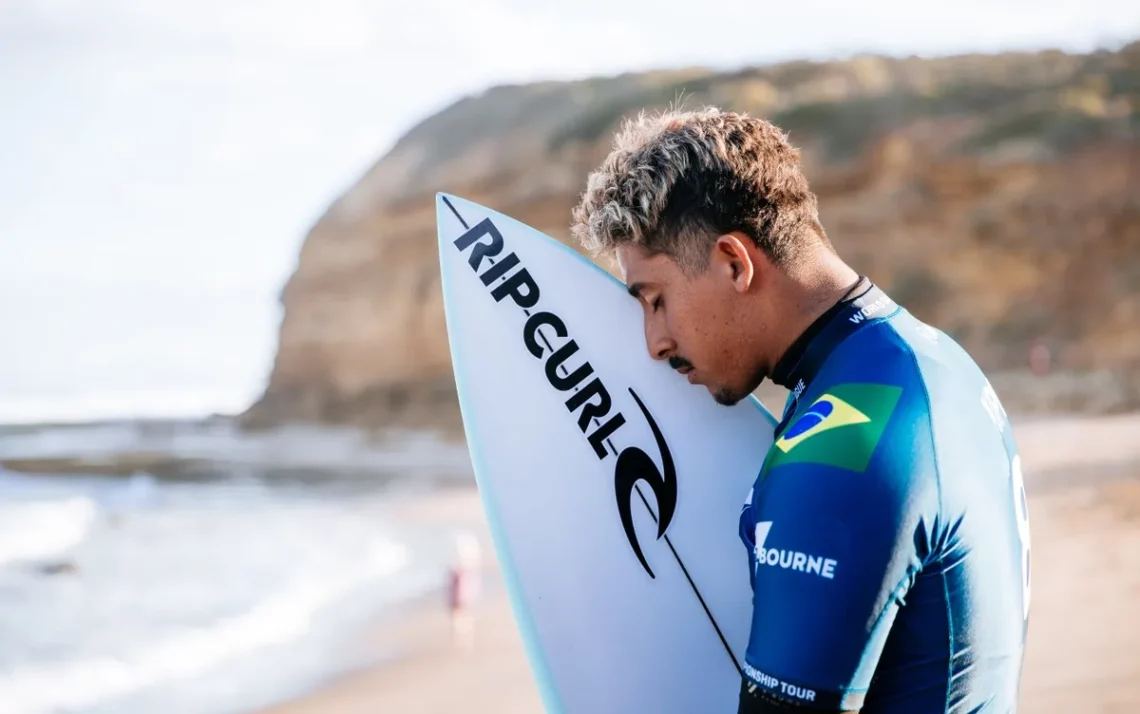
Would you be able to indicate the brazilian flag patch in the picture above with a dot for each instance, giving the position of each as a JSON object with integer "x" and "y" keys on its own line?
{"x": 841, "y": 428}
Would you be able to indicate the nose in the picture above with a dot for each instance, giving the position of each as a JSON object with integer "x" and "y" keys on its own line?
{"x": 657, "y": 339}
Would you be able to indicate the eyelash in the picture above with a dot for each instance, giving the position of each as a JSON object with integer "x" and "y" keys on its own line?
{"x": 656, "y": 303}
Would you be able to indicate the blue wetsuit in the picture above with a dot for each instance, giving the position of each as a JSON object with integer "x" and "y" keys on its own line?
{"x": 888, "y": 531}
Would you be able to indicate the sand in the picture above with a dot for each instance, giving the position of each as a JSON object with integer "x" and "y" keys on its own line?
{"x": 431, "y": 676}
{"x": 1083, "y": 477}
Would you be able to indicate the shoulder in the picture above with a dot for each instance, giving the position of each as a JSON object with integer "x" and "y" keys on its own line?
{"x": 869, "y": 397}
{"x": 862, "y": 432}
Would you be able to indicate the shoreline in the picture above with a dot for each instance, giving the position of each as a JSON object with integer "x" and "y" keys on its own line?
{"x": 1042, "y": 439}
{"x": 421, "y": 672}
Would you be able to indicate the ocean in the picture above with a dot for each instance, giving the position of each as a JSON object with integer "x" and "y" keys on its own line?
{"x": 240, "y": 576}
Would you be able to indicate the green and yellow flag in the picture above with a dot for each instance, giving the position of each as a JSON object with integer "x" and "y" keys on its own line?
{"x": 841, "y": 428}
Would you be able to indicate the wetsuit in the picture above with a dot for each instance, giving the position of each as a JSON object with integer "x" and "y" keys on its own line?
{"x": 888, "y": 531}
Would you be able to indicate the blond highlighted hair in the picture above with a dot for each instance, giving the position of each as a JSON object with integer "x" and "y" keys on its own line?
{"x": 677, "y": 180}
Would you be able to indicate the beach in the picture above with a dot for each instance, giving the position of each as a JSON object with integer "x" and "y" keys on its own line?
{"x": 1083, "y": 479}
{"x": 430, "y": 676}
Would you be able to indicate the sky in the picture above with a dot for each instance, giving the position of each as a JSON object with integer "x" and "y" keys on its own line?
{"x": 162, "y": 160}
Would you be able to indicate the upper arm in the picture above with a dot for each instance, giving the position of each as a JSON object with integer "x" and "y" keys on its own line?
{"x": 837, "y": 525}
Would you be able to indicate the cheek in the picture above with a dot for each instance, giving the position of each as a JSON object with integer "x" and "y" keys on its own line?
{"x": 710, "y": 338}
{"x": 698, "y": 337}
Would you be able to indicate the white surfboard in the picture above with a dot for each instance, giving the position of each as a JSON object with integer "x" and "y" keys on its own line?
{"x": 612, "y": 486}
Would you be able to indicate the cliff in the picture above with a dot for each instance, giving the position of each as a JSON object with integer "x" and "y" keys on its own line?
{"x": 996, "y": 196}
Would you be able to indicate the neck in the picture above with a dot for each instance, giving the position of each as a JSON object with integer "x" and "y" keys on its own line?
{"x": 809, "y": 290}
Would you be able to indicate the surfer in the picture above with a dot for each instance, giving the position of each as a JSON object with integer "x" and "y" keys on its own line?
{"x": 887, "y": 533}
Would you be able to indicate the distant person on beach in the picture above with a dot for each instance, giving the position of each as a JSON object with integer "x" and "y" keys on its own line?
{"x": 887, "y": 533}
{"x": 1040, "y": 358}
{"x": 463, "y": 589}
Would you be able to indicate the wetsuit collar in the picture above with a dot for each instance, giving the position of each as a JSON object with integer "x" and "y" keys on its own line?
{"x": 860, "y": 306}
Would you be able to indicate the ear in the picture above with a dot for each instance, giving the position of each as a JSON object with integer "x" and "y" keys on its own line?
{"x": 732, "y": 257}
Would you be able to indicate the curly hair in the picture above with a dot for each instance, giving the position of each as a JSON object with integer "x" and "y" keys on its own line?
{"x": 677, "y": 180}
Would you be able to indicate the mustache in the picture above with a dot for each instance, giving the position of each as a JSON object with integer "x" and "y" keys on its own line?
{"x": 677, "y": 362}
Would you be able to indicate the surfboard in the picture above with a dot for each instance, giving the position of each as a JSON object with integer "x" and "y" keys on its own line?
{"x": 612, "y": 487}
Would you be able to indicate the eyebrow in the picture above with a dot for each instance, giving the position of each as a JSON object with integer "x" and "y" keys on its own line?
{"x": 635, "y": 289}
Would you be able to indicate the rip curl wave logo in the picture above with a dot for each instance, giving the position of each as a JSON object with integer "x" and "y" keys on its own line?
{"x": 826, "y": 413}
{"x": 634, "y": 465}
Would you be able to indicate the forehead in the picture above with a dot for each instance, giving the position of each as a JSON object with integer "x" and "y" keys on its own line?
{"x": 637, "y": 266}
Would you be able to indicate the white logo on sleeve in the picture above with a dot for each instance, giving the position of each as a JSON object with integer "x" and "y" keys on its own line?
{"x": 771, "y": 683}
{"x": 927, "y": 332}
{"x": 790, "y": 559}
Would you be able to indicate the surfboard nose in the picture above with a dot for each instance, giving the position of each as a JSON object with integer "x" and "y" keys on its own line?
{"x": 446, "y": 225}
{"x": 444, "y": 200}
{"x": 449, "y": 215}
{"x": 441, "y": 201}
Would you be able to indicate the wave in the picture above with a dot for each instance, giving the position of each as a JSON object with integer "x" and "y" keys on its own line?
{"x": 38, "y": 529}
{"x": 190, "y": 651}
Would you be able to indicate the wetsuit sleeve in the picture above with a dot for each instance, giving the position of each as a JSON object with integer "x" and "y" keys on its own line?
{"x": 836, "y": 531}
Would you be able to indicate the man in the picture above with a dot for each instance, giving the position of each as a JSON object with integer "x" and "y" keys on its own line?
{"x": 887, "y": 532}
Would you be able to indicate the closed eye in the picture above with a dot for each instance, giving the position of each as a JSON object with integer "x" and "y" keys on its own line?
{"x": 656, "y": 303}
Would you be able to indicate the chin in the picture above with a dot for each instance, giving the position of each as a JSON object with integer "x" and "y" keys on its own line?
{"x": 725, "y": 396}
